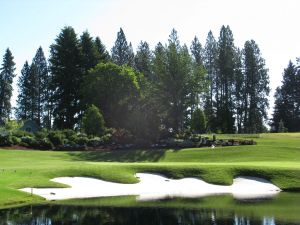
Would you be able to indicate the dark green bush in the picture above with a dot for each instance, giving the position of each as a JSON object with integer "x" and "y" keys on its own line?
{"x": 94, "y": 142}
{"x": 122, "y": 136}
{"x": 6, "y": 139}
{"x": 41, "y": 134}
{"x": 81, "y": 140}
{"x": 16, "y": 140}
{"x": 45, "y": 144}
{"x": 56, "y": 137}
{"x": 29, "y": 141}
{"x": 107, "y": 138}
{"x": 21, "y": 133}
{"x": 69, "y": 134}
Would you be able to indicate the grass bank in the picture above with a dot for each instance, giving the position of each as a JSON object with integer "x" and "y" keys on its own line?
{"x": 276, "y": 157}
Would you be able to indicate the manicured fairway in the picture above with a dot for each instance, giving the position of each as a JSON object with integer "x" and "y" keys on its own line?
{"x": 276, "y": 157}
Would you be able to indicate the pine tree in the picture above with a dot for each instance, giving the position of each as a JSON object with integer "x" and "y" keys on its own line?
{"x": 225, "y": 81}
{"x": 122, "y": 52}
{"x": 65, "y": 66}
{"x": 198, "y": 123}
{"x": 142, "y": 60}
{"x": 198, "y": 85}
{"x": 44, "y": 93}
{"x": 173, "y": 69}
{"x": 103, "y": 53}
{"x": 286, "y": 107}
{"x": 23, "y": 108}
{"x": 6, "y": 79}
{"x": 210, "y": 63}
{"x": 90, "y": 54}
{"x": 34, "y": 95}
{"x": 239, "y": 91}
{"x": 197, "y": 51}
{"x": 256, "y": 88}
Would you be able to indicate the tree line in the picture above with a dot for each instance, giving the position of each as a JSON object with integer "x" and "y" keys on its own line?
{"x": 170, "y": 89}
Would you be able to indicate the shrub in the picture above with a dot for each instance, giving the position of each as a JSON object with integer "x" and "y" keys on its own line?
{"x": 41, "y": 134}
{"x": 5, "y": 139}
{"x": 45, "y": 143}
{"x": 21, "y": 133}
{"x": 93, "y": 122}
{"x": 94, "y": 142}
{"x": 69, "y": 134}
{"x": 122, "y": 136}
{"x": 107, "y": 138}
{"x": 16, "y": 140}
{"x": 56, "y": 137}
{"x": 29, "y": 141}
{"x": 81, "y": 140}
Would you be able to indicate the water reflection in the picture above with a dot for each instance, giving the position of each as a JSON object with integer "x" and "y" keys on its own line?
{"x": 55, "y": 215}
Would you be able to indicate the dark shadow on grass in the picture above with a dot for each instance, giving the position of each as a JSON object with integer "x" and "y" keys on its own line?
{"x": 152, "y": 155}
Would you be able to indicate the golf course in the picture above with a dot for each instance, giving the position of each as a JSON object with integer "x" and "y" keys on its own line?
{"x": 276, "y": 158}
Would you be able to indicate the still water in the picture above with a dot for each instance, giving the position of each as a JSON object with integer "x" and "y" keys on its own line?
{"x": 220, "y": 210}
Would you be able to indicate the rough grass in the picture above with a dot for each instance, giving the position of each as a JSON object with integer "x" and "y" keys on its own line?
{"x": 276, "y": 157}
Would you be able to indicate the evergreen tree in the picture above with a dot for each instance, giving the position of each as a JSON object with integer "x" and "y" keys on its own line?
{"x": 145, "y": 119}
{"x": 198, "y": 123}
{"x": 279, "y": 111}
{"x": 142, "y": 60}
{"x": 210, "y": 63}
{"x": 239, "y": 91}
{"x": 287, "y": 100}
{"x": 197, "y": 51}
{"x": 225, "y": 81}
{"x": 122, "y": 52}
{"x": 103, "y": 53}
{"x": 90, "y": 54}
{"x": 34, "y": 95}
{"x": 65, "y": 66}
{"x": 23, "y": 108}
{"x": 256, "y": 89}
{"x": 6, "y": 79}
{"x": 198, "y": 84}
{"x": 173, "y": 69}
{"x": 44, "y": 93}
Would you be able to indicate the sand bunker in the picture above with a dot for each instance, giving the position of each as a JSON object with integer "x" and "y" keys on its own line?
{"x": 152, "y": 186}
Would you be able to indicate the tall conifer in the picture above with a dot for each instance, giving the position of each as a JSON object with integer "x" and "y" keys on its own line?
{"x": 7, "y": 74}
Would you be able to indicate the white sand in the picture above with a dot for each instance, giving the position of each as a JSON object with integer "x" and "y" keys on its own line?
{"x": 153, "y": 187}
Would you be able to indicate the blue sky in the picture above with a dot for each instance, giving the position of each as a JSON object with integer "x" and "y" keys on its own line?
{"x": 274, "y": 25}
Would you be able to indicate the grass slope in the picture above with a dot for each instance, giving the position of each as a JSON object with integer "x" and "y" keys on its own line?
{"x": 276, "y": 158}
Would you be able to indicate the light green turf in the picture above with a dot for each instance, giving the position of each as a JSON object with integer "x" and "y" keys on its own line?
{"x": 276, "y": 158}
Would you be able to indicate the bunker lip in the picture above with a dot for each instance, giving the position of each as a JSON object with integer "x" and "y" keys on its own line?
{"x": 154, "y": 187}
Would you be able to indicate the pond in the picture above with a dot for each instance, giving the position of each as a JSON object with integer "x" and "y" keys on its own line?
{"x": 284, "y": 209}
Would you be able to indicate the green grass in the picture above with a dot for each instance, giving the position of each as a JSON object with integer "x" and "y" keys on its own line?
{"x": 276, "y": 157}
